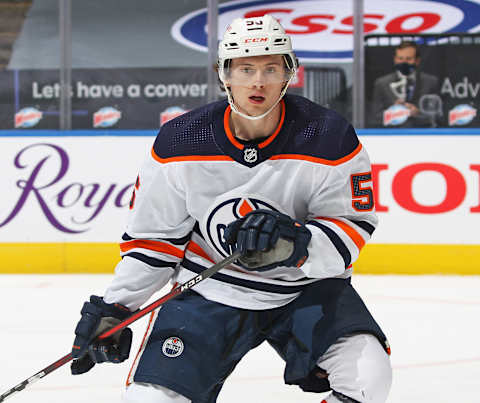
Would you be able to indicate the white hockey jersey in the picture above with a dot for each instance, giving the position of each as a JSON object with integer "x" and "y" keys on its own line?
{"x": 199, "y": 178}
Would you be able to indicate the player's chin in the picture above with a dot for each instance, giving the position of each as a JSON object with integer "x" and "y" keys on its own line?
{"x": 257, "y": 109}
{"x": 251, "y": 110}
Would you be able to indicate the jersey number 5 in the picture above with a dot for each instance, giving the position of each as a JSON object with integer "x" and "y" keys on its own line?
{"x": 362, "y": 195}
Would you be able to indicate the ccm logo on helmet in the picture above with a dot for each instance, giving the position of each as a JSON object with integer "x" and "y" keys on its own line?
{"x": 256, "y": 40}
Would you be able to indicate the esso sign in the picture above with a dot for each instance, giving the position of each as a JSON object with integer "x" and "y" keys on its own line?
{"x": 415, "y": 22}
{"x": 322, "y": 29}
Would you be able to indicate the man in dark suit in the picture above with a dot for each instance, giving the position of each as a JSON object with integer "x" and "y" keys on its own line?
{"x": 405, "y": 87}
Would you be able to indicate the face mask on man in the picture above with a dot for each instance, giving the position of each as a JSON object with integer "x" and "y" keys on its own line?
{"x": 405, "y": 68}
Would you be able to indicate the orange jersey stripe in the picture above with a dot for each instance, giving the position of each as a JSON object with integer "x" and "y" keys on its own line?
{"x": 190, "y": 158}
{"x": 236, "y": 143}
{"x": 157, "y": 246}
{"x": 195, "y": 248}
{"x": 228, "y": 132}
{"x": 277, "y": 130}
{"x": 316, "y": 159}
{"x": 354, "y": 235}
{"x": 275, "y": 157}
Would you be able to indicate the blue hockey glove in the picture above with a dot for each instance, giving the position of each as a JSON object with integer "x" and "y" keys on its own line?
{"x": 98, "y": 317}
{"x": 268, "y": 239}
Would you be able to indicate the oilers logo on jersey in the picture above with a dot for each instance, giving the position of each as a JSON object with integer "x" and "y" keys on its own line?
{"x": 226, "y": 211}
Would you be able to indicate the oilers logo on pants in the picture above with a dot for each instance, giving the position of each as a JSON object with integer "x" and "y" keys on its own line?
{"x": 173, "y": 347}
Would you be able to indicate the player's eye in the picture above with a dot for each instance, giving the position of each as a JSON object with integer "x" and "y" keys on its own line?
{"x": 247, "y": 70}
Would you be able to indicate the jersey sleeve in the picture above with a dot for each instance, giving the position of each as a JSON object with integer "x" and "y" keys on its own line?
{"x": 157, "y": 233}
{"x": 341, "y": 215}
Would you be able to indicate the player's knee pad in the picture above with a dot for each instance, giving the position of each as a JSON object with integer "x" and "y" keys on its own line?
{"x": 139, "y": 392}
{"x": 358, "y": 367}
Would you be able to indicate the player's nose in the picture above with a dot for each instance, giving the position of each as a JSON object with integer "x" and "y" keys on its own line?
{"x": 259, "y": 80}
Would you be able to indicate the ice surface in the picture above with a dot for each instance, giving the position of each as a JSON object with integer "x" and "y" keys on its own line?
{"x": 433, "y": 323}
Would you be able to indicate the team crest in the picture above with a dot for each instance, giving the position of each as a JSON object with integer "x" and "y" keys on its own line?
{"x": 225, "y": 212}
{"x": 172, "y": 347}
{"x": 250, "y": 155}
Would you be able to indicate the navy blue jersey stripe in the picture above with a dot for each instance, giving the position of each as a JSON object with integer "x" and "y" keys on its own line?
{"x": 365, "y": 226}
{"x": 337, "y": 242}
{"x": 196, "y": 229}
{"x": 253, "y": 285}
{"x": 151, "y": 261}
{"x": 175, "y": 241}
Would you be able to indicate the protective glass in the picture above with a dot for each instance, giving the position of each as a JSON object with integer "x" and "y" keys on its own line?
{"x": 247, "y": 75}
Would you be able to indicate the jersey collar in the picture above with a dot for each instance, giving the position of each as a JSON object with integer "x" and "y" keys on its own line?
{"x": 249, "y": 153}
{"x": 241, "y": 145}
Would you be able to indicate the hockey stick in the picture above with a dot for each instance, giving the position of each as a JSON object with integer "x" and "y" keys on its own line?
{"x": 132, "y": 318}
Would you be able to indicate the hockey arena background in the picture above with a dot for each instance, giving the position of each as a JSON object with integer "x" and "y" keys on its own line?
{"x": 68, "y": 163}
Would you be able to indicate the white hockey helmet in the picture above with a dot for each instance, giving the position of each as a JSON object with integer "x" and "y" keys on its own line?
{"x": 258, "y": 36}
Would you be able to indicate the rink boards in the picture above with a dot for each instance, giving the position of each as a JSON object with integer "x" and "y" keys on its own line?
{"x": 65, "y": 200}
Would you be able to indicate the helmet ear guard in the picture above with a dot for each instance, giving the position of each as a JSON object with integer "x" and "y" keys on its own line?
{"x": 291, "y": 63}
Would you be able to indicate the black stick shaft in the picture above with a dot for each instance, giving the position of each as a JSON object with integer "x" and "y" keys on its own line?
{"x": 132, "y": 318}
{"x": 39, "y": 375}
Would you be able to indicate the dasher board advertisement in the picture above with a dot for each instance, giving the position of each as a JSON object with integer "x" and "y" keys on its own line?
{"x": 66, "y": 193}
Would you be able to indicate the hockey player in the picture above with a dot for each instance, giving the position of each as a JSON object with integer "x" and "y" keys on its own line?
{"x": 286, "y": 182}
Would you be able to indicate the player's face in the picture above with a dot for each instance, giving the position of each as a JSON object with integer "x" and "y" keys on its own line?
{"x": 406, "y": 55}
{"x": 256, "y": 82}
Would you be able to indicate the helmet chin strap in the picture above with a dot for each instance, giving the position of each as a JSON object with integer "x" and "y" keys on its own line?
{"x": 244, "y": 115}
